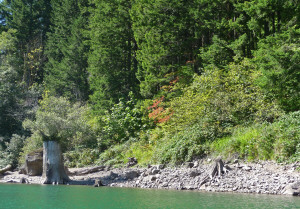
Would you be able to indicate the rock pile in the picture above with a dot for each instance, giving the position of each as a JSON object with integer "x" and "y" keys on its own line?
{"x": 258, "y": 178}
{"x": 251, "y": 178}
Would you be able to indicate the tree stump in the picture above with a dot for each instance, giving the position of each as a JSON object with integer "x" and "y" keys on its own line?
{"x": 53, "y": 167}
{"x": 218, "y": 168}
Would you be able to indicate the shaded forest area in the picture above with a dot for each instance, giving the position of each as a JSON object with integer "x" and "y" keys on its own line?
{"x": 164, "y": 81}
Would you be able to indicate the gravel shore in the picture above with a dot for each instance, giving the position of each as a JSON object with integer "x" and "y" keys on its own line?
{"x": 259, "y": 178}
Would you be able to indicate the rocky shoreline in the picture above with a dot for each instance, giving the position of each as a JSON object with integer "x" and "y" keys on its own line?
{"x": 256, "y": 178}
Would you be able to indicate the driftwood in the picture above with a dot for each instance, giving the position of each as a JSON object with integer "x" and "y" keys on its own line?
{"x": 89, "y": 170}
{"x": 7, "y": 168}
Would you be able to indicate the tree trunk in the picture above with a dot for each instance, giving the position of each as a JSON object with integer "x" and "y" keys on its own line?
{"x": 53, "y": 167}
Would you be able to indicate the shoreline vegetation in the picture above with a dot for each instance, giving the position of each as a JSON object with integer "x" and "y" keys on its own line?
{"x": 165, "y": 82}
{"x": 264, "y": 177}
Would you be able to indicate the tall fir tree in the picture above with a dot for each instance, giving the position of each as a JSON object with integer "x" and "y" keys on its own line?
{"x": 30, "y": 19}
{"x": 112, "y": 61}
{"x": 10, "y": 91}
{"x": 66, "y": 73}
{"x": 3, "y": 16}
{"x": 169, "y": 35}
{"x": 165, "y": 33}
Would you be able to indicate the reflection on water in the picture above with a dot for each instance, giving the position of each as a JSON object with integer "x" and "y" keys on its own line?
{"x": 56, "y": 197}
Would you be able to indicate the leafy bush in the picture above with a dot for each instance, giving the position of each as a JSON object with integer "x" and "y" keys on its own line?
{"x": 118, "y": 155}
{"x": 287, "y": 137}
{"x": 216, "y": 102}
{"x": 278, "y": 141}
{"x": 278, "y": 58}
{"x": 81, "y": 157}
{"x": 32, "y": 143}
{"x": 141, "y": 149}
{"x": 4, "y": 158}
{"x": 14, "y": 148}
{"x": 124, "y": 121}
{"x": 222, "y": 99}
{"x": 181, "y": 147}
{"x": 11, "y": 152}
{"x": 59, "y": 120}
{"x": 114, "y": 155}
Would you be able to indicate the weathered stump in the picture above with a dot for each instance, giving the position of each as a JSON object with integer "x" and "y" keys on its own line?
{"x": 53, "y": 167}
{"x": 218, "y": 168}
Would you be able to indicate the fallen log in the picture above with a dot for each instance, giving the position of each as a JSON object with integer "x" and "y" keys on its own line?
{"x": 7, "y": 168}
{"x": 90, "y": 170}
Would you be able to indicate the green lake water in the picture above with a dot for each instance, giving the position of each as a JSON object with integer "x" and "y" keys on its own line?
{"x": 52, "y": 197}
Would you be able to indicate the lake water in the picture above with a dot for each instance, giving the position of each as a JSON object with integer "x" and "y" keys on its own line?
{"x": 56, "y": 197}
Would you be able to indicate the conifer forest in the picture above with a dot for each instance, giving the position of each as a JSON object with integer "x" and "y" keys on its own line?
{"x": 164, "y": 81}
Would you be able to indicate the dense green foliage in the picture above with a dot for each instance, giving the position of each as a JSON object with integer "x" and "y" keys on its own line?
{"x": 278, "y": 141}
{"x": 66, "y": 68}
{"x": 112, "y": 74}
{"x": 59, "y": 120}
{"x": 165, "y": 81}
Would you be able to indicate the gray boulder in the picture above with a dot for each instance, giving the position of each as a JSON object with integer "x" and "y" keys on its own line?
{"x": 34, "y": 163}
{"x": 132, "y": 174}
{"x": 195, "y": 173}
{"x": 293, "y": 189}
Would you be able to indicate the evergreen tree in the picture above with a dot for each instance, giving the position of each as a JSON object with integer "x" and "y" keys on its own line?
{"x": 170, "y": 33}
{"x": 66, "y": 73}
{"x": 3, "y": 16}
{"x": 30, "y": 18}
{"x": 278, "y": 58}
{"x": 112, "y": 61}
{"x": 164, "y": 38}
{"x": 10, "y": 91}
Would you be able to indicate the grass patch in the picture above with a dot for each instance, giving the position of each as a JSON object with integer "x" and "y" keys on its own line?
{"x": 278, "y": 141}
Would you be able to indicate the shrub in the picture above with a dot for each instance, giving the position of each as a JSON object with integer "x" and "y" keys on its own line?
{"x": 14, "y": 148}
{"x": 32, "y": 143}
{"x": 4, "y": 158}
{"x": 59, "y": 120}
{"x": 216, "y": 102}
{"x": 81, "y": 157}
{"x": 221, "y": 100}
{"x": 141, "y": 149}
{"x": 181, "y": 147}
{"x": 278, "y": 58}
{"x": 124, "y": 121}
{"x": 278, "y": 141}
{"x": 287, "y": 137}
{"x": 11, "y": 152}
{"x": 114, "y": 155}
